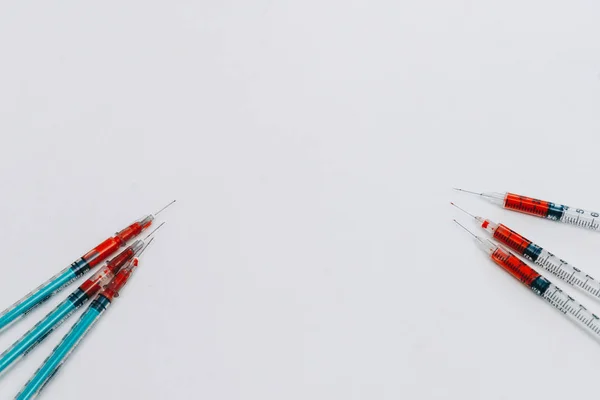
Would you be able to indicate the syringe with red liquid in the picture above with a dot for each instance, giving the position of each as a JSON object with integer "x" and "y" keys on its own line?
{"x": 543, "y": 209}
{"x": 75, "y": 271}
{"x": 79, "y": 331}
{"x": 539, "y": 256}
{"x": 541, "y": 286}
{"x": 43, "y": 329}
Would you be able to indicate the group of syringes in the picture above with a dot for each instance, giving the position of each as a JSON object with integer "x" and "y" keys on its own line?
{"x": 100, "y": 290}
{"x": 505, "y": 239}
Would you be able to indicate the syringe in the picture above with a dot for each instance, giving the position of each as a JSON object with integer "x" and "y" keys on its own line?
{"x": 543, "y": 209}
{"x": 540, "y": 285}
{"x": 548, "y": 261}
{"x": 61, "y": 353}
{"x": 76, "y": 270}
{"x": 64, "y": 310}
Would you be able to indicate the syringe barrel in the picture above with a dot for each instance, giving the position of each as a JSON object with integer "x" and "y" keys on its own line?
{"x": 553, "y": 211}
{"x": 574, "y": 310}
{"x": 102, "y": 277}
{"x": 527, "y": 205}
{"x": 579, "y": 217}
{"x": 61, "y": 353}
{"x": 518, "y": 269}
{"x": 516, "y": 242}
{"x": 548, "y": 261}
{"x": 115, "y": 286}
{"x": 111, "y": 245}
{"x": 135, "y": 229}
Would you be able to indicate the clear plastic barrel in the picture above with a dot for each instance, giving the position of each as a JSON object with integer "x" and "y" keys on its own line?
{"x": 573, "y": 310}
{"x": 569, "y": 273}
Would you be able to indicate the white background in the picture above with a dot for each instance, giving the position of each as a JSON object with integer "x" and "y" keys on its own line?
{"x": 312, "y": 146}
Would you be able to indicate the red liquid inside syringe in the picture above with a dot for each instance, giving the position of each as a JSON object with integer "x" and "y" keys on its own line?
{"x": 514, "y": 266}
